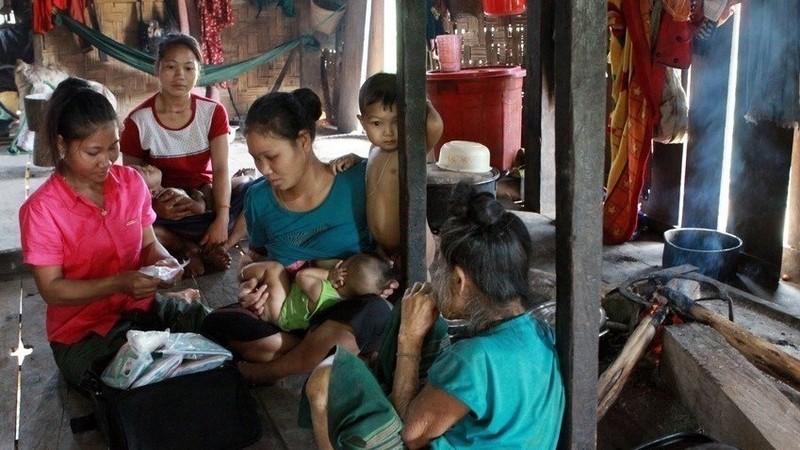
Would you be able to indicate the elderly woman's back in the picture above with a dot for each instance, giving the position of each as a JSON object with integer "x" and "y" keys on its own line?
{"x": 497, "y": 387}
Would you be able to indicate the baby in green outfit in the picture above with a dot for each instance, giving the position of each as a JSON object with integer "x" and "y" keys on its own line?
{"x": 291, "y": 304}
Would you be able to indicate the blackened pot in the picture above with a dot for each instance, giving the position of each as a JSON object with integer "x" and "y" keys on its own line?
{"x": 714, "y": 253}
{"x": 440, "y": 183}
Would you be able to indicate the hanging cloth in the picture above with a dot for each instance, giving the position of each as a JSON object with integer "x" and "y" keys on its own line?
{"x": 210, "y": 73}
{"x": 773, "y": 62}
{"x": 213, "y": 16}
{"x": 43, "y": 9}
{"x": 636, "y": 92}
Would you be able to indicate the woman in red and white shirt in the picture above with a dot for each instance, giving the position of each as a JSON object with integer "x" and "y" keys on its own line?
{"x": 186, "y": 136}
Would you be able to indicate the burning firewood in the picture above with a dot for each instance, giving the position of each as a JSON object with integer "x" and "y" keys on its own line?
{"x": 613, "y": 379}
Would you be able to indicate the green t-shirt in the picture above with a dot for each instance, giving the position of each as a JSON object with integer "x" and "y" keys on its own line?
{"x": 294, "y": 313}
{"x": 509, "y": 378}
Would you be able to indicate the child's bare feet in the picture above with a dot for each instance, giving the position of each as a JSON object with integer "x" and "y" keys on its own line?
{"x": 195, "y": 267}
{"x": 188, "y": 295}
{"x": 217, "y": 257}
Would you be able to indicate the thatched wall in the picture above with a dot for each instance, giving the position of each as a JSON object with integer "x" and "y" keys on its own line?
{"x": 248, "y": 37}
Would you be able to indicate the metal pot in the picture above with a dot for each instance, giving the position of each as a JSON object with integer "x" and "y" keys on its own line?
{"x": 714, "y": 253}
{"x": 439, "y": 184}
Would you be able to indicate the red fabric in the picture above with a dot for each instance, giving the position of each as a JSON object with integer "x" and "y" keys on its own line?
{"x": 60, "y": 228}
{"x": 43, "y": 11}
{"x": 213, "y": 15}
{"x": 620, "y": 209}
{"x": 674, "y": 45}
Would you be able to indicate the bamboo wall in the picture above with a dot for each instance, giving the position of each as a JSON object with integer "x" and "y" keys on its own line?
{"x": 249, "y": 36}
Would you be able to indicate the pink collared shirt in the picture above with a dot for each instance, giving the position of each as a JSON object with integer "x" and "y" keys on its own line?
{"x": 60, "y": 228}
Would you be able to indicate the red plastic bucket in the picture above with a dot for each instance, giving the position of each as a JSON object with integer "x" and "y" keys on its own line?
{"x": 503, "y": 7}
{"x": 481, "y": 104}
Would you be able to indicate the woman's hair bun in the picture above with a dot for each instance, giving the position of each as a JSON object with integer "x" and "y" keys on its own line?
{"x": 480, "y": 208}
{"x": 310, "y": 102}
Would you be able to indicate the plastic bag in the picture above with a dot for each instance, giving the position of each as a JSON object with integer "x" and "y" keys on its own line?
{"x": 192, "y": 346}
{"x": 126, "y": 367}
{"x": 199, "y": 365}
{"x": 160, "y": 369}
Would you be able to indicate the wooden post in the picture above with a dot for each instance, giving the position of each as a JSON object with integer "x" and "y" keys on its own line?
{"x": 412, "y": 105}
{"x": 539, "y": 110}
{"x": 310, "y": 60}
{"x": 376, "y": 32}
{"x": 580, "y": 55}
{"x": 355, "y": 21}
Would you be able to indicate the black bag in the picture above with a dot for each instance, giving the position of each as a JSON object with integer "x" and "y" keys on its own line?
{"x": 208, "y": 410}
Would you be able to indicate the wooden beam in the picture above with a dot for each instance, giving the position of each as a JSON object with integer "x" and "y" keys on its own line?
{"x": 376, "y": 32}
{"x": 412, "y": 104}
{"x": 310, "y": 60}
{"x": 732, "y": 400}
{"x": 580, "y": 55}
{"x": 532, "y": 107}
{"x": 355, "y": 20}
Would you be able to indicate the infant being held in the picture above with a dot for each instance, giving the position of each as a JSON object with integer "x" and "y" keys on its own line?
{"x": 291, "y": 304}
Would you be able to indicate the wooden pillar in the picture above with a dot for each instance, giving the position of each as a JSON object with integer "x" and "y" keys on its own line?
{"x": 310, "y": 60}
{"x": 760, "y": 163}
{"x": 412, "y": 105}
{"x": 538, "y": 110}
{"x": 790, "y": 264}
{"x": 375, "y": 41}
{"x": 580, "y": 97}
{"x": 355, "y": 19}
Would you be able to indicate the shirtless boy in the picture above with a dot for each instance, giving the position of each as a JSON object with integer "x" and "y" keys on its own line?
{"x": 377, "y": 101}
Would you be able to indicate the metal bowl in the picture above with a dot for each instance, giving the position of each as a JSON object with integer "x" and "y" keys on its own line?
{"x": 546, "y": 312}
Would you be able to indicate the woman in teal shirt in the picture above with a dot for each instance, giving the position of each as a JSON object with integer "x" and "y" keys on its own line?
{"x": 301, "y": 213}
{"x": 498, "y": 387}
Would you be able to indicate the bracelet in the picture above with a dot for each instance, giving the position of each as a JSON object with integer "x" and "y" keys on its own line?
{"x": 413, "y": 356}
{"x": 224, "y": 206}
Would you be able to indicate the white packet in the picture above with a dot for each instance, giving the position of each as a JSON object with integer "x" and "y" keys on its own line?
{"x": 126, "y": 367}
{"x": 164, "y": 273}
{"x": 147, "y": 341}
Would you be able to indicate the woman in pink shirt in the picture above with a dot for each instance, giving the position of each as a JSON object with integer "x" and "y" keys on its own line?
{"x": 86, "y": 232}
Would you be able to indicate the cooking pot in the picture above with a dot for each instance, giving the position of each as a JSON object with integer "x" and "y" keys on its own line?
{"x": 714, "y": 253}
{"x": 439, "y": 184}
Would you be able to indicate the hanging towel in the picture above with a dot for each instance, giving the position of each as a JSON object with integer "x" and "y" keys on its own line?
{"x": 773, "y": 61}
{"x": 636, "y": 92}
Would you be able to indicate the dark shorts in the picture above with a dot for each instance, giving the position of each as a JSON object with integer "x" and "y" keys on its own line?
{"x": 193, "y": 228}
{"x": 367, "y": 315}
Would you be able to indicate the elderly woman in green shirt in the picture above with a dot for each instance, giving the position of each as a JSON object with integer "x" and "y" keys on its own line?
{"x": 497, "y": 387}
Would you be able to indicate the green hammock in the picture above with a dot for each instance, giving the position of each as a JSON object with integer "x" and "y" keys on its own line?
{"x": 210, "y": 73}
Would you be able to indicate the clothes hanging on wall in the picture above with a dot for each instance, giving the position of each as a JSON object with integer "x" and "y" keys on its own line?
{"x": 213, "y": 16}
{"x": 43, "y": 10}
{"x": 637, "y": 85}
